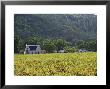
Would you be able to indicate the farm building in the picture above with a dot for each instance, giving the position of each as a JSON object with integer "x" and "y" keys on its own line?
{"x": 82, "y": 50}
{"x": 33, "y": 49}
{"x": 61, "y": 51}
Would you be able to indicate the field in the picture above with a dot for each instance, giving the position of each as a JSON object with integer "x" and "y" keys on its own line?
{"x": 56, "y": 64}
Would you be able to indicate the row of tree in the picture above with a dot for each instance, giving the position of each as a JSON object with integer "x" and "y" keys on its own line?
{"x": 51, "y": 45}
{"x": 90, "y": 45}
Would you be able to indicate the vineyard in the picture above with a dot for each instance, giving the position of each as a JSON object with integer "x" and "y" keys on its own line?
{"x": 56, "y": 64}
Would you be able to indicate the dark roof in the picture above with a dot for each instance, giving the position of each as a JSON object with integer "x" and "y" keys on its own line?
{"x": 32, "y": 47}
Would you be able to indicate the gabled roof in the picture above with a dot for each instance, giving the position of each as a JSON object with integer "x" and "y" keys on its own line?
{"x": 32, "y": 47}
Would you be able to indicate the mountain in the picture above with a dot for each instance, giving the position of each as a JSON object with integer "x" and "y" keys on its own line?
{"x": 71, "y": 27}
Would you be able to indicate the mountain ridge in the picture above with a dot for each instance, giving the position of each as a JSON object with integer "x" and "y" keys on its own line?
{"x": 71, "y": 27}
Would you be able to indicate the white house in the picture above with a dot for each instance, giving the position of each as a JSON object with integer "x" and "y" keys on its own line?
{"x": 33, "y": 49}
{"x": 82, "y": 50}
{"x": 61, "y": 51}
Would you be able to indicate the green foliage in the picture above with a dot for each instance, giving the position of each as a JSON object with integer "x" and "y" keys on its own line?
{"x": 70, "y": 49}
{"x": 18, "y": 44}
{"x": 56, "y": 64}
{"x": 49, "y": 46}
{"x": 54, "y": 32}
{"x": 90, "y": 45}
{"x": 34, "y": 40}
{"x": 67, "y": 26}
{"x": 60, "y": 44}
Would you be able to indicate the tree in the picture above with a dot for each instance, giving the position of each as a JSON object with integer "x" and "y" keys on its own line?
{"x": 16, "y": 41}
{"x": 18, "y": 44}
{"x": 60, "y": 44}
{"x": 69, "y": 49}
{"x": 49, "y": 46}
{"x": 35, "y": 40}
{"x": 90, "y": 45}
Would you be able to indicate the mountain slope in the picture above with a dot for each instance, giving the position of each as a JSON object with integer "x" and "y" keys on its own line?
{"x": 71, "y": 27}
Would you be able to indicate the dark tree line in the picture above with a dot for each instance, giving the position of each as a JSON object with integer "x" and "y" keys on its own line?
{"x": 52, "y": 45}
{"x": 90, "y": 45}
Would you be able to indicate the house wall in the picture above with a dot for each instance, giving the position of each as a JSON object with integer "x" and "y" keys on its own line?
{"x": 37, "y": 51}
{"x": 61, "y": 51}
{"x": 43, "y": 51}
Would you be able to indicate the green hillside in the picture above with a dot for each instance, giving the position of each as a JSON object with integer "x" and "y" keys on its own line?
{"x": 69, "y": 27}
{"x": 41, "y": 28}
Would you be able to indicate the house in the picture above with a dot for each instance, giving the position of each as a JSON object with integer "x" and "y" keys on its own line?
{"x": 82, "y": 50}
{"x": 55, "y": 51}
{"x": 61, "y": 51}
{"x": 33, "y": 49}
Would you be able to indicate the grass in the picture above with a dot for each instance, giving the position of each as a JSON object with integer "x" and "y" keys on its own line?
{"x": 56, "y": 64}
